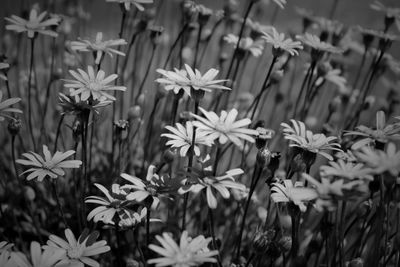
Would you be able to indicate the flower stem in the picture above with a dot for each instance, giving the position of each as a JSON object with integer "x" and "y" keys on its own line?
{"x": 55, "y": 191}
{"x": 30, "y": 93}
{"x": 153, "y": 52}
{"x": 58, "y": 132}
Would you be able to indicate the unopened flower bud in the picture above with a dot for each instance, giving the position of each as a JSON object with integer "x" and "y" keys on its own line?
{"x": 263, "y": 157}
{"x": 14, "y": 126}
{"x": 204, "y": 14}
{"x": 29, "y": 193}
{"x": 285, "y": 243}
{"x": 276, "y": 76}
{"x": 262, "y": 240}
{"x": 155, "y": 34}
{"x": 263, "y": 136}
{"x": 168, "y": 156}
{"x": 358, "y": 262}
{"x": 140, "y": 100}
{"x": 77, "y": 130}
{"x": 134, "y": 112}
{"x": 189, "y": 10}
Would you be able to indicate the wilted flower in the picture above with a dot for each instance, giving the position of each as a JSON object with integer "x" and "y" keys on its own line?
{"x": 382, "y": 133}
{"x": 5, "y": 107}
{"x": 224, "y": 127}
{"x": 190, "y": 79}
{"x": 296, "y": 194}
{"x": 139, "y": 190}
{"x": 113, "y": 202}
{"x": 280, "y": 44}
{"x": 76, "y": 252}
{"x": 39, "y": 258}
{"x": 306, "y": 140}
{"x": 381, "y": 161}
{"x": 181, "y": 138}
{"x": 137, "y": 3}
{"x": 247, "y": 44}
{"x": 92, "y": 84}
{"x": 35, "y": 24}
{"x": 49, "y": 165}
{"x": 189, "y": 252}
{"x": 211, "y": 183}
{"x": 99, "y": 47}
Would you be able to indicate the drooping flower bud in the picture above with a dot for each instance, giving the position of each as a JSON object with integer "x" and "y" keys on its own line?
{"x": 14, "y": 126}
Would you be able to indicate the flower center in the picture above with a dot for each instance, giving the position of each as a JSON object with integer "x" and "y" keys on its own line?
{"x": 74, "y": 253}
{"x": 32, "y": 25}
{"x": 221, "y": 127}
{"x": 94, "y": 86}
{"x": 48, "y": 165}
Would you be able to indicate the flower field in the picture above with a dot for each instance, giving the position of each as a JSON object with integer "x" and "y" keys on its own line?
{"x": 185, "y": 133}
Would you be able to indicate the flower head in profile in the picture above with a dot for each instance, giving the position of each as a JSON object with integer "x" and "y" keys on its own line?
{"x": 280, "y": 44}
{"x": 5, "y": 107}
{"x": 92, "y": 84}
{"x": 326, "y": 73}
{"x": 247, "y": 44}
{"x": 52, "y": 166}
{"x": 190, "y": 79}
{"x": 180, "y": 137}
{"x": 306, "y": 140}
{"x": 77, "y": 252}
{"x": 114, "y": 202}
{"x": 99, "y": 47}
{"x": 38, "y": 257}
{"x": 74, "y": 105}
{"x": 389, "y": 11}
{"x": 149, "y": 189}
{"x": 211, "y": 184}
{"x": 189, "y": 251}
{"x": 347, "y": 170}
{"x": 34, "y": 25}
{"x": 381, "y": 161}
{"x": 132, "y": 219}
{"x": 318, "y": 47}
{"x": 225, "y": 127}
{"x": 137, "y": 3}
{"x": 297, "y": 194}
{"x": 381, "y": 133}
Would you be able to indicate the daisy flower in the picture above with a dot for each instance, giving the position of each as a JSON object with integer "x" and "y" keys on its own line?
{"x": 51, "y": 166}
{"x": 189, "y": 79}
{"x": 296, "y": 194}
{"x": 247, "y": 44}
{"x": 5, "y": 107}
{"x": 381, "y": 161}
{"x": 39, "y": 258}
{"x": 6, "y": 260}
{"x": 390, "y": 12}
{"x": 137, "y": 3}
{"x": 382, "y": 133}
{"x": 76, "y": 252}
{"x": 280, "y": 44}
{"x": 306, "y": 140}
{"x": 98, "y": 47}
{"x": 34, "y": 25}
{"x": 4, "y": 66}
{"x": 189, "y": 251}
{"x": 220, "y": 184}
{"x": 180, "y": 137}
{"x": 113, "y": 202}
{"x": 347, "y": 170}
{"x": 318, "y": 47}
{"x": 139, "y": 190}
{"x": 92, "y": 84}
{"x": 224, "y": 127}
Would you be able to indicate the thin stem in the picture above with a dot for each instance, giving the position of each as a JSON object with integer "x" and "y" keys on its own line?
{"x": 148, "y": 228}
{"x": 197, "y": 45}
{"x": 211, "y": 225}
{"x": 30, "y": 93}
{"x": 147, "y": 72}
{"x": 55, "y": 191}
{"x": 58, "y": 132}
{"x": 181, "y": 33}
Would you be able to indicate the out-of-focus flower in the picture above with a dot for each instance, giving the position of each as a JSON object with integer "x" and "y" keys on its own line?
{"x": 35, "y": 24}
{"x": 4, "y": 246}
{"x": 318, "y": 47}
{"x": 383, "y": 132}
{"x": 113, "y": 202}
{"x": 381, "y": 161}
{"x": 92, "y": 84}
{"x": 224, "y": 127}
{"x": 6, "y": 260}
{"x": 280, "y": 3}
{"x": 76, "y": 252}
{"x": 51, "y": 166}
{"x": 189, "y": 251}
{"x": 139, "y": 190}
{"x": 391, "y": 13}
{"x": 5, "y": 107}
{"x": 133, "y": 219}
{"x": 137, "y": 3}
{"x": 99, "y": 47}
{"x": 280, "y": 44}
{"x": 210, "y": 183}
{"x": 347, "y": 170}
{"x": 4, "y": 66}
{"x": 296, "y": 194}
{"x": 181, "y": 138}
{"x": 306, "y": 140}
{"x": 191, "y": 79}
{"x": 247, "y": 44}
{"x": 74, "y": 105}
{"x": 39, "y": 258}
{"x": 326, "y": 73}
